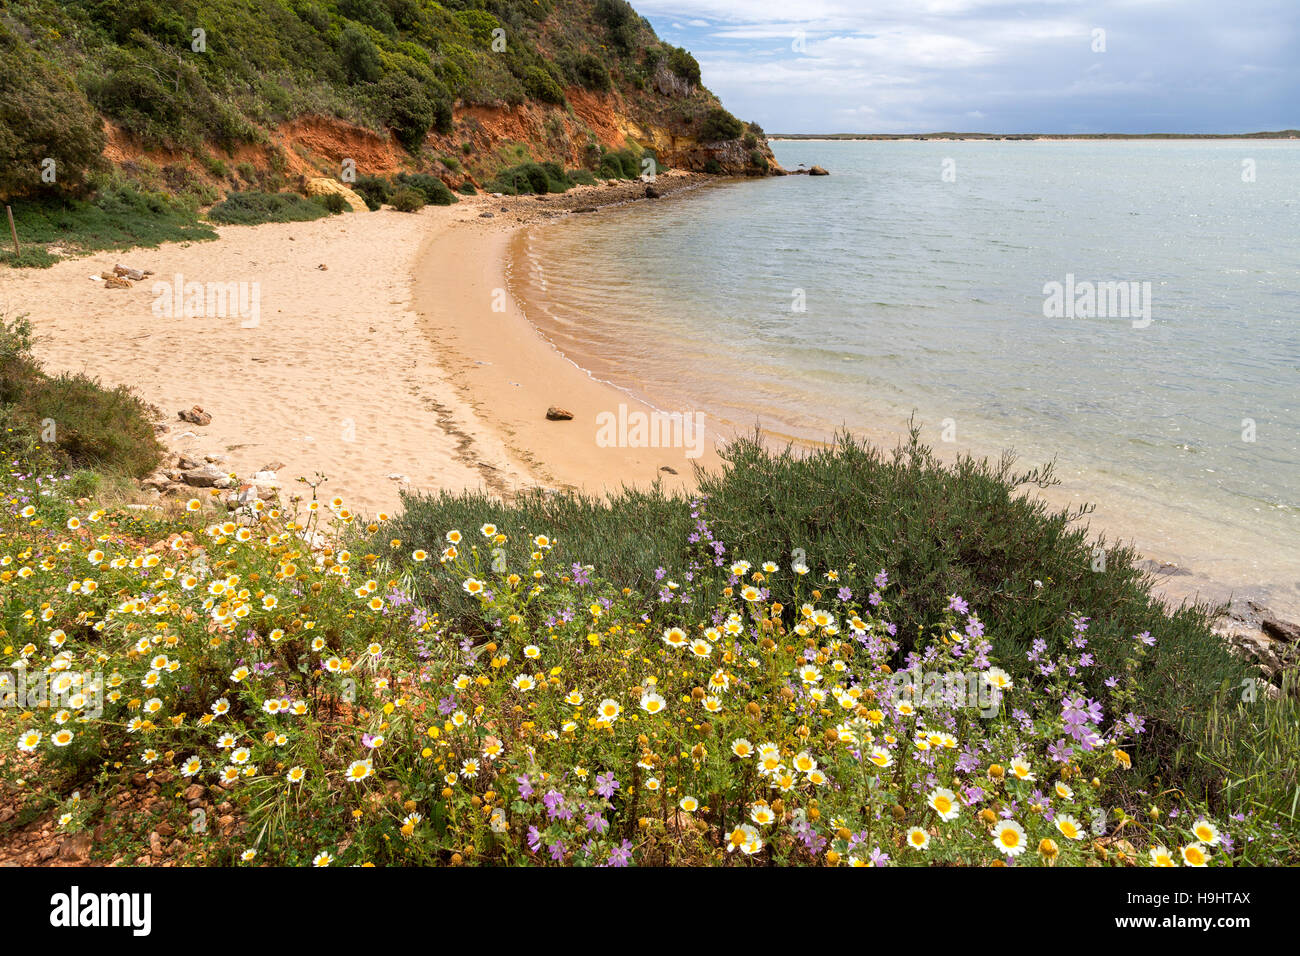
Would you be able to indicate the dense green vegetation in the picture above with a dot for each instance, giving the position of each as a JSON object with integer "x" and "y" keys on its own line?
{"x": 69, "y": 422}
{"x": 48, "y": 130}
{"x": 406, "y": 191}
{"x": 433, "y": 190}
{"x": 964, "y": 529}
{"x": 719, "y": 125}
{"x": 541, "y": 178}
{"x": 251, "y": 208}
{"x": 194, "y": 75}
{"x": 441, "y": 665}
{"x": 193, "y": 95}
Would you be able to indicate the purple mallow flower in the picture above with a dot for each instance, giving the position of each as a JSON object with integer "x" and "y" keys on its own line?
{"x": 606, "y": 784}
{"x": 621, "y": 855}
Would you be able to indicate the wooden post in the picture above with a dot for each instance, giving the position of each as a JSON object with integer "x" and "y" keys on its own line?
{"x": 13, "y": 231}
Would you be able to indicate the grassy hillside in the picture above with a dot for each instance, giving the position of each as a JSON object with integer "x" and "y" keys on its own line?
{"x": 194, "y": 92}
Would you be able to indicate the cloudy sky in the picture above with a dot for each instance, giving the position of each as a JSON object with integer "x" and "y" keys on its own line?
{"x": 1036, "y": 66}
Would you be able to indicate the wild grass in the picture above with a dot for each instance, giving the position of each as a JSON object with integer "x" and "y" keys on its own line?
{"x": 118, "y": 216}
{"x": 1250, "y": 744}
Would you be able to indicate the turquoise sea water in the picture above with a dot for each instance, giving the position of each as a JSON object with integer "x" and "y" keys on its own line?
{"x": 920, "y": 269}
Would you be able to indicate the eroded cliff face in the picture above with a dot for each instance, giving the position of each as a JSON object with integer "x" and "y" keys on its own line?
{"x": 483, "y": 139}
{"x": 605, "y": 119}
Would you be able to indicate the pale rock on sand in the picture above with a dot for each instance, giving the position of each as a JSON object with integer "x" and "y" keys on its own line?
{"x": 326, "y": 187}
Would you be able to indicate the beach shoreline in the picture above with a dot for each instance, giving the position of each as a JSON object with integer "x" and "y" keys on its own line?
{"x": 360, "y": 366}
{"x": 440, "y": 382}
{"x": 511, "y": 374}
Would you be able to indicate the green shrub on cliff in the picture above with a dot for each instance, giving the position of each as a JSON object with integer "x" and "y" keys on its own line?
{"x": 359, "y": 56}
{"x": 685, "y": 66}
{"x": 540, "y": 85}
{"x": 622, "y": 22}
{"x": 412, "y": 108}
{"x": 589, "y": 72}
{"x": 719, "y": 125}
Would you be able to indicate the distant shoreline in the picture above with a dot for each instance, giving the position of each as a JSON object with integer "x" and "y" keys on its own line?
{"x": 1286, "y": 134}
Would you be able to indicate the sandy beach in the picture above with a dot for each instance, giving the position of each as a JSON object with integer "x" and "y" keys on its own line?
{"x": 379, "y": 359}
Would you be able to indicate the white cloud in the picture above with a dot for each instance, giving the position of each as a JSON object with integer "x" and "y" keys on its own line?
{"x": 937, "y": 64}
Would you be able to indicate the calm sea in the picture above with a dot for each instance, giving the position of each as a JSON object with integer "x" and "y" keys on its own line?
{"x": 913, "y": 279}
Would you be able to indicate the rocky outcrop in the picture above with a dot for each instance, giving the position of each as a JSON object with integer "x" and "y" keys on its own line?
{"x": 1280, "y": 630}
{"x": 668, "y": 83}
{"x": 1260, "y": 637}
{"x": 728, "y": 157}
{"x": 207, "y": 476}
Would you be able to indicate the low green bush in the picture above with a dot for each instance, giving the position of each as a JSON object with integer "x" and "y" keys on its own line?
{"x": 407, "y": 199}
{"x": 620, "y": 163}
{"x": 333, "y": 203}
{"x": 69, "y": 420}
{"x": 375, "y": 190}
{"x": 433, "y": 189}
{"x": 252, "y": 208}
{"x": 526, "y": 178}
